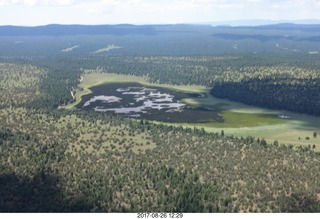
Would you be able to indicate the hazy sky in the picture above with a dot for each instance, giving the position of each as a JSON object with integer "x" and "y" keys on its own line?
{"x": 40, "y": 12}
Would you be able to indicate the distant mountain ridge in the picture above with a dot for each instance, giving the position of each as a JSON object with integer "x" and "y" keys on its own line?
{"x": 286, "y": 26}
{"x": 59, "y": 30}
{"x": 129, "y": 29}
{"x": 259, "y": 22}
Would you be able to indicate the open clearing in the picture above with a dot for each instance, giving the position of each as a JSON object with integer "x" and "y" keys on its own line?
{"x": 107, "y": 49}
{"x": 70, "y": 48}
{"x": 240, "y": 119}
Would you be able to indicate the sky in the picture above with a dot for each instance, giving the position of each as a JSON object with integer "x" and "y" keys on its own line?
{"x": 42, "y": 12}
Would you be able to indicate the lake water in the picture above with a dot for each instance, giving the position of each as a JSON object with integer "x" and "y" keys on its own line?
{"x": 146, "y": 102}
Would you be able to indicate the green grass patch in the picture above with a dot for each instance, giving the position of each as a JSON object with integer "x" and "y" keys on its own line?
{"x": 196, "y": 103}
{"x": 237, "y": 120}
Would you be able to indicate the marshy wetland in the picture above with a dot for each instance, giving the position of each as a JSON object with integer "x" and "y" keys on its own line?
{"x": 148, "y": 102}
{"x": 190, "y": 106}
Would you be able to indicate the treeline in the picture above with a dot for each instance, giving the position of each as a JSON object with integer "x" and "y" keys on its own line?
{"x": 285, "y": 88}
{"x": 200, "y": 70}
{"x": 61, "y": 74}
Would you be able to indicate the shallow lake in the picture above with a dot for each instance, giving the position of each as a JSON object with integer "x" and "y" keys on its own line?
{"x": 146, "y": 102}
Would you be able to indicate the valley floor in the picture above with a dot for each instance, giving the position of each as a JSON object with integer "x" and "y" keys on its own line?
{"x": 239, "y": 119}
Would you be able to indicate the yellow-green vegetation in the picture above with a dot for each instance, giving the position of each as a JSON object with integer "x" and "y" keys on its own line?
{"x": 82, "y": 133}
{"x": 297, "y": 131}
{"x": 19, "y": 84}
{"x": 241, "y": 120}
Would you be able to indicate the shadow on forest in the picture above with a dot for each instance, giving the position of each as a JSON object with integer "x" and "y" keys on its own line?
{"x": 41, "y": 193}
{"x": 38, "y": 194}
{"x": 299, "y": 203}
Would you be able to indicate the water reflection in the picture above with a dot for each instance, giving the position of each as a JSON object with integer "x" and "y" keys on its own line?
{"x": 104, "y": 99}
{"x": 151, "y": 99}
{"x": 152, "y": 103}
